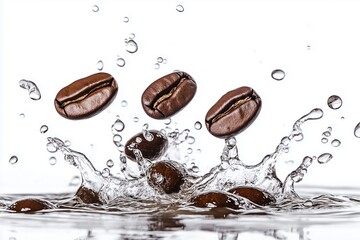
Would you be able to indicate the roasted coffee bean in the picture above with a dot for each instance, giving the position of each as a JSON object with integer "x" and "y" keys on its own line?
{"x": 151, "y": 149}
{"x": 166, "y": 176}
{"x": 30, "y": 205}
{"x": 168, "y": 95}
{"x": 255, "y": 195}
{"x": 86, "y": 97}
{"x": 216, "y": 199}
{"x": 233, "y": 112}
{"x": 87, "y": 195}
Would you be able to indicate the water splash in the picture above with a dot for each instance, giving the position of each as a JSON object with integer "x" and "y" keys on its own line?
{"x": 34, "y": 92}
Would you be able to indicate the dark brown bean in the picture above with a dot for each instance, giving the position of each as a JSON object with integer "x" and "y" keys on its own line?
{"x": 30, "y": 205}
{"x": 166, "y": 176}
{"x": 216, "y": 199}
{"x": 86, "y": 97}
{"x": 150, "y": 150}
{"x": 168, "y": 95}
{"x": 233, "y": 112}
{"x": 255, "y": 195}
{"x": 87, "y": 195}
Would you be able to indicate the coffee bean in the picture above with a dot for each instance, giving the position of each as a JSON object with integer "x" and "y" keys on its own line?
{"x": 233, "y": 112}
{"x": 255, "y": 195}
{"x": 216, "y": 199}
{"x": 30, "y": 205}
{"x": 87, "y": 195}
{"x": 166, "y": 176}
{"x": 150, "y": 150}
{"x": 168, "y": 95}
{"x": 86, "y": 97}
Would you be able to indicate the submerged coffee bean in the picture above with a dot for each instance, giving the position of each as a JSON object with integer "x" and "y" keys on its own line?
{"x": 30, "y": 205}
{"x": 168, "y": 95}
{"x": 255, "y": 195}
{"x": 86, "y": 97}
{"x": 151, "y": 147}
{"x": 216, "y": 199}
{"x": 87, "y": 195}
{"x": 233, "y": 112}
{"x": 166, "y": 176}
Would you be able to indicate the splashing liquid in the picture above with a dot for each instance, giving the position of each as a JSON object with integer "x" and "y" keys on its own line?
{"x": 34, "y": 92}
{"x": 231, "y": 171}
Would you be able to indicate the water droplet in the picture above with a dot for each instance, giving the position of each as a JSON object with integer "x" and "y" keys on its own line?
{"x": 110, "y": 163}
{"x": 164, "y": 61}
{"x": 326, "y": 134}
{"x": 124, "y": 103}
{"x": 125, "y": 19}
{"x": 195, "y": 169}
{"x": 335, "y": 143}
{"x": 131, "y": 36}
{"x": 52, "y": 161}
{"x": 167, "y": 121}
{"x": 357, "y": 130}
{"x": 44, "y": 129}
{"x": 278, "y": 74}
{"x": 179, "y": 8}
{"x": 308, "y": 203}
{"x": 197, "y": 125}
{"x": 131, "y": 46}
{"x": 308, "y": 47}
{"x": 190, "y": 140}
{"x": 189, "y": 150}
{"x": 160, "y": 59}
{"x": 95, "y": 8}
{"x": 121, "y": 148}
{"x": 324, "y": 140}
{"x": 91, "y": 145}
{"x": 334, "y": 102}
{"x": 329, "y": 129}
{"x": 34, "y": 92}
{"x": 117, "y": 140}
{"x": 22, "y": 116}
{"x": 120, "y": 62}
{"x": 51, "y": 147}
{"x": 75, "y": 181}
{"x": 145, "y": 127}
{"x": 118, "y": 126}
{"x": 156, "y": 65}
{"x": 324, "y": 158}
{"x": 13, "y": 159}
{"x": 198, "y": 150}
{"x": 138, "y": 140}
{"x": 135, "y": 119}
{"x": 342, "y": 118}
{"x": 105, "y": 172}
{"x": 100, "y": 65}
{"x": 67, "y": 143}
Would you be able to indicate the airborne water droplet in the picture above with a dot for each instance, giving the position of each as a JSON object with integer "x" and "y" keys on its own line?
{"x": 118, "y": 126}
{"x": 135, "y": 119}
{"x": 95, "y": 8}
{"x": 131, "y": 46}
{"x": 197, "y": 125}
{"x": 51, "y": 147}
{"x": 125, "y": 19}
{"x": 335, "y": 143}
{"x": 357, "y": 130}
{"x": 124, "y": 103}
{"x": 324, "y": 140}
{"x": 100, "y": 65}
{"x": 278, "y": 74}
{"x": 324, "y": 158}
{"x": 334, "y": 102}
{"x": 110, "y": 163}
{"x": 189, "y": 150}
{"x": 190, "y": 140}
{"x": 117, "y": 140}
{"x": 120, "y": 62}
{"x": 34, "y": 92}
{"x": 326, "y": 134}
{"x": 131, "y": 36}
{"x": 179, "y": 8}
{"x": 44, "y": 129}
{"x": 13, "y": 159}
{"x": 52, "y": 161}
{"x": 160, "y": 59}
{"x": 22, "y": 116}
{"x": 156, "y": 65}
{"x": 105, "y": 172}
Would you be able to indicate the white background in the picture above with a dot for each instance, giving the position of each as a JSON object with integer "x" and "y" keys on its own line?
{"x": 222, "y": 44}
